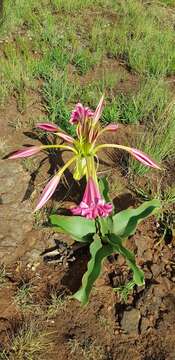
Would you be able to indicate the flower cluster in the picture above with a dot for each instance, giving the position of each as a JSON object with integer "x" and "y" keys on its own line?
{"x": 85, "y": 153}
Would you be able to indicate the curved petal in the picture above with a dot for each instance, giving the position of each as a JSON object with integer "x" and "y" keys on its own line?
{"x": 52, "y": 184}
{"x": 143, "y": 158}
{"x": 65, "y": 137}
{"x": 98, "y": 110}
{"x": 48, "y": 192}
{"x": 47, "y": 127}
{"x": 30, "y": 151}
{"x": 111, "y": 127}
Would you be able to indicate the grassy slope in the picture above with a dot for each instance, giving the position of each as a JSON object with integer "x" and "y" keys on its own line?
{"x": 61, "y": 41}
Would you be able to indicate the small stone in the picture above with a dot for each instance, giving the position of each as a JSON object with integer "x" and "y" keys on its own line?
{"x": 130, "y": 321}
{"x": 117, "y": 332}
{"x": 156, "y": 269}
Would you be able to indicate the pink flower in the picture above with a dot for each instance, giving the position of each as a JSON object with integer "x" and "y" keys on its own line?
{"x": 92, "y": 205}
{"x": 48, "y": 191}
{"x": 143, "y": 158}
{"x": 80, "y": 113}
{"x": 47, "y": 127}
{"x": 30, "y": 151}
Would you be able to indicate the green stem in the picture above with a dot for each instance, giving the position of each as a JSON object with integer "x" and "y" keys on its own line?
{"x": 103, "y": 146}
{"x": 91, "y": 170}
{"x": 68, "y": 163}
{"x": 69, "y": 148}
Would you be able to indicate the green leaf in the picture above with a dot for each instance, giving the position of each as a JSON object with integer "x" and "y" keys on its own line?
{"x": 126, "y": 221}
{"x": 104, "y": 188}
{"x": 138, "y": 274}
{"x": 80, "y": 228}
{"x": 104, "y": 225}
{"x": 98, "y": 253}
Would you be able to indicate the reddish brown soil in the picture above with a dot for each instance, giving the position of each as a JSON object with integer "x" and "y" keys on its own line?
{"x": 143, "y": 327}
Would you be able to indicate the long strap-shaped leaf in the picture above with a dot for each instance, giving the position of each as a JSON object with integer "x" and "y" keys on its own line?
{"x": 126, "y": 221}
{"x": 138, "y": 275}
{"x": 98, "y": 252}
{"x": 81, "y": 229}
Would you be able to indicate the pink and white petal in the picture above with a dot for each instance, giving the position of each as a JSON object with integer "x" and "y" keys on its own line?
{"x": 30, "y": 151}
{"x": 91, "y": 192}
{"x": 76, "y": 211}
{"x": 48, "y": 191}
{"x": 65, "y": 137}
{"x": 98, "y": 110}
{"x": 76, "y": 114}
{"x": 88, "y": 112}
{"x": 47, "y": 127}
{"x": 80, "y": 113}
{"x": 80, "y": 109}
{"x": 111, "y": 127}
{"x": 143, "y": 158}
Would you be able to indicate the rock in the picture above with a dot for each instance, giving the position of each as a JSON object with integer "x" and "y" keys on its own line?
{"x": 16, "y": 215}
{"x": 130, "y": 321}
{"x": 13, "y": 182}
{"x": 142, "y": 245}
{"x": 156, "y": 269}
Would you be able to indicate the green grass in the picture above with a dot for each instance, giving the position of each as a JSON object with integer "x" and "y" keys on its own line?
{"x": 58, "y": 94}
{"x": 143, "y": 106}
{"x": 84, "y": 60}
{"x": 142, "y": 36}
{"x": 147, "y": 104}
{"x": 157, "y": 140}
{"x": 75, "y": 5}
{"x": 168, "y": 2}
{"x": 145, "y": 38}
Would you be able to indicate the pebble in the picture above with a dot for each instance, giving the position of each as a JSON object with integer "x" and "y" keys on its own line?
{"x": 130, "y": 321}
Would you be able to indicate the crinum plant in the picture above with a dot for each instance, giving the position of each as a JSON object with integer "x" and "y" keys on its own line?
{"x": 93, "y": 221}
